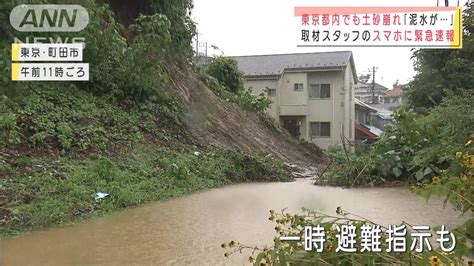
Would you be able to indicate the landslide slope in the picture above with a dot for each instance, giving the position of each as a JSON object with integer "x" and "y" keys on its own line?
{"x": 214, "y": 122}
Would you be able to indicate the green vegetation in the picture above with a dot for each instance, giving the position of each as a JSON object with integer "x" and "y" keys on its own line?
{"x": 226, "y": 81}
{"x": 71, "y": 120}
{"x": 226, "y": 71}
{"x": 444, "y": 71}
{"x": 62, "y": 190}
{"x": 414, "y": 148}
{"x": 428, "y": 130}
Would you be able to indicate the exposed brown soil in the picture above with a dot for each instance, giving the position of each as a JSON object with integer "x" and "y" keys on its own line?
{"x": 214, "y": 122}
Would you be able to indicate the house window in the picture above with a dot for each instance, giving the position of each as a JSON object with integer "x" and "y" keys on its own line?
{"x": 298, "y": 87}
{"x": 271, "y": 92}
{"x": 319, "y": 129}
{"x": 319, "y": 91}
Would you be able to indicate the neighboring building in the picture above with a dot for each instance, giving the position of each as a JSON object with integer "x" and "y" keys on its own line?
{"x": 395, "y": 95}
{"x": 364, "y": 131}
{"x": 312, "y": 93}
{"x": 382, "y": 118}
{"x": 392, "y": 100}
{"x": 366, "y": 93}
{"x": 363, "y": 112}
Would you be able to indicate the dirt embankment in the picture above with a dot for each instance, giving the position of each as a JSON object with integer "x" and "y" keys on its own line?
{"x": 214, "y": 122}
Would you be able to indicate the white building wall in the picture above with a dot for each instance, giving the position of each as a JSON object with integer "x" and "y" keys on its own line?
{"x": 325, "y": 110}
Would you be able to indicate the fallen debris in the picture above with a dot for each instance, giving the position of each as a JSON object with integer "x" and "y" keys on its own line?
{"x": 100, "y": 195}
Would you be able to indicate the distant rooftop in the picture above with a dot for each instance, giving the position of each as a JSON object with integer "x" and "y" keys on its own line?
{"x": 275, "y": 64}
{"x": 368, "y": 86}
{"x": 395, "y": 92}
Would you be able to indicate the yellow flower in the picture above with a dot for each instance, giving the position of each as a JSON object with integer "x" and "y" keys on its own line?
{"x": 458, "y": 154}
{"x": 469, "y": 142}
{"x": 434, "y": 261}
{"x": 233, "y": 243}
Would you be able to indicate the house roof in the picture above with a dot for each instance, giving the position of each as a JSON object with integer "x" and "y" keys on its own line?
{"x": 276, "y": 64}
{"x": 364, "y": 105}
{"x": 384, "y": 115}
{"x": 395, "y": 92}
{"x": 363, "y": 132}
{"x": 375, "y": 130}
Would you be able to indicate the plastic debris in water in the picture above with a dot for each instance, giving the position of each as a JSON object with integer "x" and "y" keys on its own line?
{"x": 100, "y": 195}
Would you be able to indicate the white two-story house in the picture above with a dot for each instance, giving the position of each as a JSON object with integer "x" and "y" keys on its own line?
{"x": 312, "y": 93}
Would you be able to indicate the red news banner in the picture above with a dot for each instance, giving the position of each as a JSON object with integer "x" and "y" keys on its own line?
{"x": 426, "y": 27}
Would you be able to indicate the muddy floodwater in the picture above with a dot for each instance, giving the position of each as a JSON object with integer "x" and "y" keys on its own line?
{"x": 189, "y": 230}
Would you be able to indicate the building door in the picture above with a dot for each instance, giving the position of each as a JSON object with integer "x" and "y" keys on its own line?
{"x": 292, "y": 126}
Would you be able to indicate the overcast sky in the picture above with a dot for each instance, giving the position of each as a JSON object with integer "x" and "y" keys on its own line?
{"x": 249, "y": 27}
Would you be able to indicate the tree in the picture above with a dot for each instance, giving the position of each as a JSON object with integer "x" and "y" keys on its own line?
{"x": 441, "y": 72}
{"x": 226, "y": 71}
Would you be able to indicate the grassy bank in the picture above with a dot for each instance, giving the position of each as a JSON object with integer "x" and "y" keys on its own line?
{"x": 62, "y": 191}
{"x": 59, "y": 148}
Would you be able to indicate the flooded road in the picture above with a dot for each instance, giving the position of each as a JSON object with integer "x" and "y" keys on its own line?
{"x": 189, "y": 230}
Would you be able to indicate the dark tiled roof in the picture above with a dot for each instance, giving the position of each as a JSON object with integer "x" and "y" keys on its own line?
{"x": 368, "y": 86}
{"x": 275, "y": 64}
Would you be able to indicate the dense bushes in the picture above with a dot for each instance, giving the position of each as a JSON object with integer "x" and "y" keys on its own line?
{"x": 444, "y": 71}
{"x": 75, "y": 120}
{"x": 226, "y": 71}
{"x": 244, "y": 97}
{"x": 414, "y": 147}
{"x": 128, "y": 76}
{"x": 119, "y": 70}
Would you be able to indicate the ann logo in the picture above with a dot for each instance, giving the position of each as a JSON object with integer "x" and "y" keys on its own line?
{"x": 52, "y": 19}
{"x": 49, "y": 18}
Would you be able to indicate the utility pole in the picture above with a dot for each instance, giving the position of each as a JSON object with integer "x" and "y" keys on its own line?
{"x": 374, "y": 70}
{"x": 197, "y": 44}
